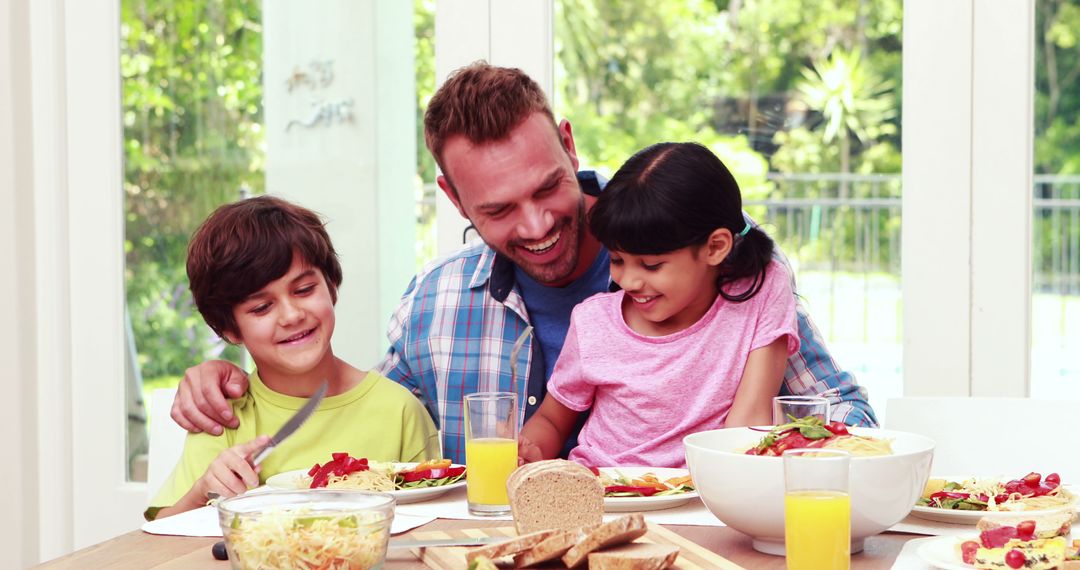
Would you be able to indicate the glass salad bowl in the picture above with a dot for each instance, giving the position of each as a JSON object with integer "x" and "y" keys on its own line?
{"x": 314, "y": 528}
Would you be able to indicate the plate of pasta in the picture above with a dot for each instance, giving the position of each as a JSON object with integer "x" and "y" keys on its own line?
{"x": 406, "y": 482}
{"x": 813, "y": 432}
{"x": 960, "y": 500}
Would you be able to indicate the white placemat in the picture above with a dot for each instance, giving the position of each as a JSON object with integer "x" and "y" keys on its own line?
{"x": 204, "y": 522}
{"x": 454, "y": 505}
{"x": 915, "y": 525}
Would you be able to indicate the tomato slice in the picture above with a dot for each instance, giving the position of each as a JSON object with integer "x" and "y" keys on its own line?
{"x": 437, "y": 473}
{"x": 837, "y": 428}
{"x": 643, "y": 491}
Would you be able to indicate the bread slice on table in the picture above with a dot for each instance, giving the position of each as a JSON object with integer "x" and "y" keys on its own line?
{"x": 551, "y": 547}
{"x": 619, "y": 531}
{"x": 554, "y": 494}
{"x": 508, "y": 547}
{"x": 635, "y": 556}
{"x": 1046, "y": 526}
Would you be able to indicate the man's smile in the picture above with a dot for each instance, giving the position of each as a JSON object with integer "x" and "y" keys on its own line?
{"x": 545, "y": 245}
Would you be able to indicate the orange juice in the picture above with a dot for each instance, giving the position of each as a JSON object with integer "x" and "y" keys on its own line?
{"x": 490, "y": 461}
{"x": 817, "y": 530}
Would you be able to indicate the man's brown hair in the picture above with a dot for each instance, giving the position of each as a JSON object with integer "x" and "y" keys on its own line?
{"x": 483, "y": 103}
{"x": 245, "y": 245}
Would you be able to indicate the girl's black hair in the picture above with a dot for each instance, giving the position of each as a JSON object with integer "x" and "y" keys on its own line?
{"x": 672, "y": 195}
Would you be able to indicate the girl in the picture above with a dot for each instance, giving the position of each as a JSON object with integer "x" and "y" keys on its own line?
{"x": 698, "y": 337}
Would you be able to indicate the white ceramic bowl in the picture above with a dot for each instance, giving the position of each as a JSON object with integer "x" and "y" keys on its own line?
{"x": 746, "y": 492}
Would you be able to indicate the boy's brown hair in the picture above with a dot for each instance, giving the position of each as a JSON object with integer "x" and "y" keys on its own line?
{"x": 245, "y": 245}
{"x": 483, "y": 103}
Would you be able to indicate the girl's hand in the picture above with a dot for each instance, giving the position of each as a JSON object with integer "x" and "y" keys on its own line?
{"x": 232, "y": 473}
{"x": 528, "y": 451}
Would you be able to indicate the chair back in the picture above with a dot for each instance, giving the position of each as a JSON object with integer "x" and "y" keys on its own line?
{"x": 998, "y": 437}
{"x": 166, "y": 441}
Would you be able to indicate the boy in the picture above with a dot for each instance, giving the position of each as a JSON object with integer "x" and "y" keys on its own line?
{"x": 264, "y": 274}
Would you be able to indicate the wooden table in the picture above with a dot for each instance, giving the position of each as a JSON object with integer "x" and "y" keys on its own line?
{"x": 138, "y": 550}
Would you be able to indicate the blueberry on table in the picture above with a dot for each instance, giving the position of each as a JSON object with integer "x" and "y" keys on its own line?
{"x": 219, "y": 550}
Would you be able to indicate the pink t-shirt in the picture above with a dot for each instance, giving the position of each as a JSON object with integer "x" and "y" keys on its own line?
{"x": 647, "y": 393}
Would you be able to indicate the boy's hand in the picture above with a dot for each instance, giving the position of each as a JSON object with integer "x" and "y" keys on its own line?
{"x": 528, "y": 451}
{"x": 232, "y": 472}
{"x": 200, "y": 403}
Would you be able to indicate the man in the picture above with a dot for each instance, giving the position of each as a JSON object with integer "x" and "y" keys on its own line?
{"x": 511, "y": 170}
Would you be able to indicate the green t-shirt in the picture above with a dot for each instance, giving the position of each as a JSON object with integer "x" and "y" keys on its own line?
{"x": 377, "y": 419}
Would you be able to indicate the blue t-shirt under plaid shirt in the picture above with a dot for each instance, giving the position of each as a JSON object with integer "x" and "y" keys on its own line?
{"x": 452, "y": 334}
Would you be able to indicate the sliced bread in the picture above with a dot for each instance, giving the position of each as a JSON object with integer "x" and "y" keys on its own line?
{"x": 508, "y": 547}
{"x": 554, "y": 495}
{"x": 551, "y": 547}
{"x": 619, "y": 531}
{"x": 635, "y": 556}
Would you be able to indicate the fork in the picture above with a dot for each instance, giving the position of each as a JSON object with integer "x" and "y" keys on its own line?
{"x": 520, "y": 342}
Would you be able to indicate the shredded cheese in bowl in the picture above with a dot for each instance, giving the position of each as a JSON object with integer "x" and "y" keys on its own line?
{"x": 317, "y": 528}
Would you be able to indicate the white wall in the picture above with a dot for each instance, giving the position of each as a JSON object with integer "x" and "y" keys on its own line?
{"x": 357, "y": 172}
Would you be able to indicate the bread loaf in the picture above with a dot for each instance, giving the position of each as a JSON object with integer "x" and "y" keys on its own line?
{"x": 619, "y": 531}
{"x": 635, "y": 556}
{"x": 554, "y": 494}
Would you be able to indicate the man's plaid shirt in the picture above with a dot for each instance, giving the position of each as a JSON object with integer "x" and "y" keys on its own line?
{"x": 453, "y": 331}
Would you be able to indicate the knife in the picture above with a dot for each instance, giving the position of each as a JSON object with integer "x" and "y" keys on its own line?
{"x": 294, "y": 422}
{"x": 465, "y": 541}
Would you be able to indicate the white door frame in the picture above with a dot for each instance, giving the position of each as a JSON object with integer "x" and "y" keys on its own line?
{"x": 967, "y": 199}
{"x": 104, "y": 504}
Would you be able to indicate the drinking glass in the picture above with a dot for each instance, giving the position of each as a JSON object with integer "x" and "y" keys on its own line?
{"x": 817, "y": 509}
{"x": 491, "y": 450}
{"x": 787, "y": 407}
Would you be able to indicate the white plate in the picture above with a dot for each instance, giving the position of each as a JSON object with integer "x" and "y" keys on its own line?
{"x": 971, "y": 517}
{"x": 654, "y": 503}
{"x": 293, "y": 480}
{"x": 942, "y": 552}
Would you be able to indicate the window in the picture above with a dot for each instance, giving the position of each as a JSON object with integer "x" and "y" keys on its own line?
{"x": 1055, "y": 303}
{"x": 800, "y": 100}
{"x": 193, "y": 140}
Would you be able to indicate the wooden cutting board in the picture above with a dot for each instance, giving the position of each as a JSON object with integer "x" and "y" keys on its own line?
{"x": 692, "y": 556}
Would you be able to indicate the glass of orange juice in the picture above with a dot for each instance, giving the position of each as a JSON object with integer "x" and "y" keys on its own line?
{"x": 491, "y": 453}
{"x": 817, "y": 509}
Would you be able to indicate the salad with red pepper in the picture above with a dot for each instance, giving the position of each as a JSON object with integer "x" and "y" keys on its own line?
{"x": 798, "y": 434}
{"x": 1030, "y": 492}
{"x": 645, "y": 485}
{"x": 387, "y": 476}
{"x": 429, "y": 474}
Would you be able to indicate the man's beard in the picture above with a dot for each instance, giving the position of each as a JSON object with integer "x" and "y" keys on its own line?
{"x": 572, "y": 234}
